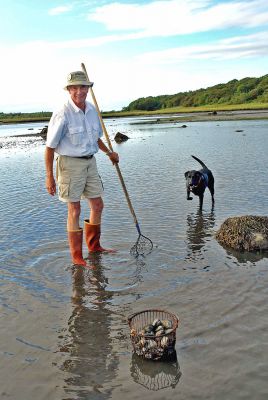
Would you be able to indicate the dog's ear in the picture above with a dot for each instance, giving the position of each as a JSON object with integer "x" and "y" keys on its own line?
{"x": 186, "y": 174}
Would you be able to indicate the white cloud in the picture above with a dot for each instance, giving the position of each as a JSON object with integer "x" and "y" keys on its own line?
{"x": 177, "y": 17}
{"x": 234, "y": 48}
{"x": 59, "y": 10}
{"x": 166, "y": 18}
{"x": 39, "y": 68}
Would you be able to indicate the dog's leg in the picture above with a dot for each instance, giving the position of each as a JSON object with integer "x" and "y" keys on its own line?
{"x": 188, "y": 195}
{"x": 201, "y": 198}
{"x": 211, "y": 189}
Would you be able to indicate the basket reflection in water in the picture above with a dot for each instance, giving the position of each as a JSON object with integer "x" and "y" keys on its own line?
{"x": 157, "y": 375}
{"x": 153, "y": 334}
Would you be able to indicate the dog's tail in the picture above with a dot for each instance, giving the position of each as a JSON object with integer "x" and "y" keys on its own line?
{"x": 200, "y": 162}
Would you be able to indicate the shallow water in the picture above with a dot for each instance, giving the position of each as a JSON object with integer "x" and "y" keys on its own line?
{"x": 64, "y": 333}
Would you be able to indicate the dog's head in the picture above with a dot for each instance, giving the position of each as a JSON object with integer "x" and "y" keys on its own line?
{"x": 192, "y": 179}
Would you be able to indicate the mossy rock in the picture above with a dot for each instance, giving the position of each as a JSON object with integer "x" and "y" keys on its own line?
{"x": 43, "y": 132}
{"x": 245, "y": 233}
{"x": 120, "y": 137}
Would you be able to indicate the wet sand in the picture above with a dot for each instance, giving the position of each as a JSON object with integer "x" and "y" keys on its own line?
{"x": 209, "y": 116}
{"x": 64, "y": 331}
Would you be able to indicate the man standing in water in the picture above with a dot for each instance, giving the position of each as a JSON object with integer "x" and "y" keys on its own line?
{"x": 74, "y": 133}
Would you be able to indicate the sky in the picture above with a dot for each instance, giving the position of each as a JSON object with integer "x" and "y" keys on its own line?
{"x": 131, "y": 49}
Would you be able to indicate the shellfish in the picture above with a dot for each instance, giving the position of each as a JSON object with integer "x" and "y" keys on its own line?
{"x": 164, "y": 342}
{"x": 167, "y": 323}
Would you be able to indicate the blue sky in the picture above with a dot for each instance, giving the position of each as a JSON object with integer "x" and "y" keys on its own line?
{"x": 131, "y": 48}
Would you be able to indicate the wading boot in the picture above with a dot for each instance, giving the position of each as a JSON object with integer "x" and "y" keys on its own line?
{"x": 92, "y": 234}
{"x": 75, "y": 244}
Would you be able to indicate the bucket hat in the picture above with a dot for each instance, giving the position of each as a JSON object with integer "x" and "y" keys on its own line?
{"x": 77, "y": 78}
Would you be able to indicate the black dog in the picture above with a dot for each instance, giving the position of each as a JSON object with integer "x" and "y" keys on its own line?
{"x": 197, "y": 181}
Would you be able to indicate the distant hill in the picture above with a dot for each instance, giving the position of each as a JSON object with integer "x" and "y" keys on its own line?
{"x": 247, "y": 90}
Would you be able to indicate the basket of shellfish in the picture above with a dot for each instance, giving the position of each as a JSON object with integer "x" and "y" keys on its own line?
{"x": 153, "y": 334}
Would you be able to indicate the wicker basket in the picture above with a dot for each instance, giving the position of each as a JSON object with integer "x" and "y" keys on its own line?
{"x": 149, "y": 344}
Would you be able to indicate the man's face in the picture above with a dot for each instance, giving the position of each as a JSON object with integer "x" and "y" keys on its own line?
{"x": 78, "y": 94}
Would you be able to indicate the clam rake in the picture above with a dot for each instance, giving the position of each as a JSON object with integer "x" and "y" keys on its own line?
{"x": 143, "y": 245}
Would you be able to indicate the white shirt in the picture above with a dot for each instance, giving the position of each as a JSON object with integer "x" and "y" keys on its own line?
{"x": 71, "y": 132}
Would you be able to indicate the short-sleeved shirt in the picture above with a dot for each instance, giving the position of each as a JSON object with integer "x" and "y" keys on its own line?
{"x": 72, "y": 132}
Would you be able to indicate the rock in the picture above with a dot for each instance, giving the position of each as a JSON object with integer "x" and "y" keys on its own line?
{"x": 43, "y": 132}
{"x": 120, "y": 137}
{"x": 245, "y": 233}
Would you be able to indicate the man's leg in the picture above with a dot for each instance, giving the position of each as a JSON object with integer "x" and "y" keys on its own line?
{"x": 96, "y": 206}
{"x": 74, "y": 210}
{"x": 92, "y": 226}
{"x": 75, "y": 233}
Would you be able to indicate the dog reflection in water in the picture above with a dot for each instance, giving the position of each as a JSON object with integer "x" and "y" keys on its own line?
{"x": 200, "y": 229}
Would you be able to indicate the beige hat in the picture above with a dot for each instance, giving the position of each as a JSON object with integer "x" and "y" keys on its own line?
{"x": 77, "y": 78}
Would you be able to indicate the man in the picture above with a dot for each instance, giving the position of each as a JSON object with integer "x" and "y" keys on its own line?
{"x": 74, "y": 133}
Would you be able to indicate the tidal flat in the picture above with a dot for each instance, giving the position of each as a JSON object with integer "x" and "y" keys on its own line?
{"x": 64, "y": 330}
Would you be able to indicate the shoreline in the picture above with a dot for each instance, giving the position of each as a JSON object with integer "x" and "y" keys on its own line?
{"x": 208, "y": 116}
{"x": 182, "y": 115}
{"x": 162, "y": 118}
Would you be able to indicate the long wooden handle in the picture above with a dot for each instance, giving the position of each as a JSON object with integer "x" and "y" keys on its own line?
{"x": 111, "y": 148}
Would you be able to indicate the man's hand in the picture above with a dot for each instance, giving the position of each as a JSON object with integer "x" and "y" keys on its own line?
{"x": 50, "y": 181}
{"x": 114, "y": 157}
{"x": 51, "y": 185}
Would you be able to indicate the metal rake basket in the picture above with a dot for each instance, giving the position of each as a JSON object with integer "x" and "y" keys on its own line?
{"x": 153, "y": 334}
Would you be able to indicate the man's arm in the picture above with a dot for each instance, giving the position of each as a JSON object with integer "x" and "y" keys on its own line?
{"x": 111, "y": 154}
{"x": 50, "y": 181}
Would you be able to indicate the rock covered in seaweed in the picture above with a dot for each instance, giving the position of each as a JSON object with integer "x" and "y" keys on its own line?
{"x": 245, "y": 233}
{"x": 43, "y": 132}
{"x": 120, "y": 137}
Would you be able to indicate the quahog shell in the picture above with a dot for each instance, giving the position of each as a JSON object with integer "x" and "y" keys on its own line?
{"x": 156, "y": 323}
{"x": 164, "y": 342}
{"x": 167, "y": 323}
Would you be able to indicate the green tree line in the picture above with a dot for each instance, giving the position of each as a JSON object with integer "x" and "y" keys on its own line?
{"x": 247, "y": 90}
{"x": 236, "y": 92}
{"x": 24, "y": 117}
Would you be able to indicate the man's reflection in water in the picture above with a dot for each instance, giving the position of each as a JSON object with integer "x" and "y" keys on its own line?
{"x": 91, "y": 363}
{"x": 200, "y": 227}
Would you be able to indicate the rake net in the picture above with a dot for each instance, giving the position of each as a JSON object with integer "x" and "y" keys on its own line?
{"x": 142, "y": 247}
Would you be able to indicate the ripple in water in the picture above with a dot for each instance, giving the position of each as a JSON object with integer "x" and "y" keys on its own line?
{"x": 81, "y": 315}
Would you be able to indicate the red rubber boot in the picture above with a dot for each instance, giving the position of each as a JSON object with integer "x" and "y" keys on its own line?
{"x": 75, "y": 244}
{"x": 92, "y": 234}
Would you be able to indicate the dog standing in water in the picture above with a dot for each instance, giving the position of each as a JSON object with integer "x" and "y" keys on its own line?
{"x": 197, "y": 181}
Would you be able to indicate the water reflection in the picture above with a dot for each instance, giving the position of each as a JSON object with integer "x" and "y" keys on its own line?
{"x": 91, "y": 362}
{"x": 155, "y": 375}
{"x": 244, "y": 257}
{"x": 199, "y": 227}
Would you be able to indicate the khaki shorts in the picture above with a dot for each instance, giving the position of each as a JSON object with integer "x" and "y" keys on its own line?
{"x": 78, "y": 178}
